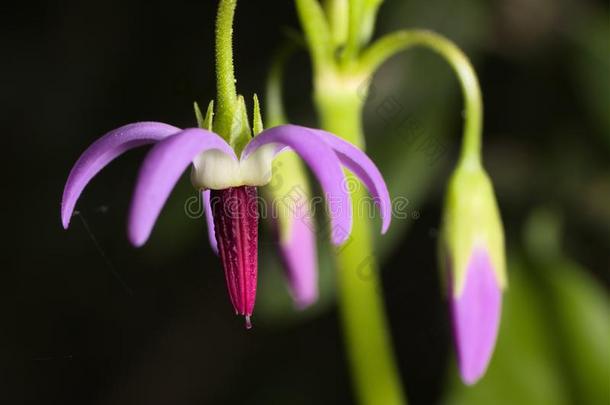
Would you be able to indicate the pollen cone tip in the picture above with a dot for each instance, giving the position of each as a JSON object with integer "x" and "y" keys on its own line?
{"x": 248, "y": 322}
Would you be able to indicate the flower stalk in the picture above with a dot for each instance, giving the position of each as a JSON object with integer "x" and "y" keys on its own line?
{"x": 388, "y": 46}
{"x": 226, "y": 93}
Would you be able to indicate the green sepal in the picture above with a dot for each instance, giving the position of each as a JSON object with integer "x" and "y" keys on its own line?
{"x": 198, "y": 115}
{"x": 240, "y": 127}
{"x": 257, "y": 119}
{"x": 471, "y": 220}
{"x": 207, "y": 121}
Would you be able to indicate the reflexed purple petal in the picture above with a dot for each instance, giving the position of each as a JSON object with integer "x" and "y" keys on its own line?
{"x": 299, "y": 255}
{"x": 209, "y": 220}
{"x": 476, "y": 317}
{"x": 105, "y": 150}
{"x": 161, "y": 169}
{"x": 325, "y": 165}
{"x": 363, "y": 167}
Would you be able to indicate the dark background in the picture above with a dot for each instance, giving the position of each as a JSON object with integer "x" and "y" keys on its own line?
{"x": 86, "y": 318}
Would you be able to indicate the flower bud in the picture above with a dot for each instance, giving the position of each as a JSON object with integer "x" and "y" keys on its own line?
{"x": 472, "y": 254}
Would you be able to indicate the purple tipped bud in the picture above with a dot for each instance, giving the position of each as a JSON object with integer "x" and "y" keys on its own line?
{"x": 235, "y": 212}
{"x": 472, "y": 253}
{"x": 475, "y": 314}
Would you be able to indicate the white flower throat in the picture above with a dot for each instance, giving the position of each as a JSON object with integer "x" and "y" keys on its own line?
{"x": 215, "y": 170}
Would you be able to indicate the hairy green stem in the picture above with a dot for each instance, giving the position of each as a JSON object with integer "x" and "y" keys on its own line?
{"x": 226, "y": 94}
{"x": 391, "y": 44}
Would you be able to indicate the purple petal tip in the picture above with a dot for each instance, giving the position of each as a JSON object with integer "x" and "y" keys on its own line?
{"x": 137, "y": 237}
{"x": 299, "y": 256}
{"x": 102, "y": 152}
{"x": 339, "y": 238}
{"x": 476, "y": 317}
{"x": 306, "y": 300}
{"x": 137, "y": 240}
{"x": 65, "y": 221}
{"x": 385, "y": 225}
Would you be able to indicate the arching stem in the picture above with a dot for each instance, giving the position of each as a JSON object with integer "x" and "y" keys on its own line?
{"x": 392, "y": 44}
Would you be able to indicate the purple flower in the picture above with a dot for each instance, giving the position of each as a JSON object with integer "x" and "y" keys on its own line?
{"x": 229, "y": 186}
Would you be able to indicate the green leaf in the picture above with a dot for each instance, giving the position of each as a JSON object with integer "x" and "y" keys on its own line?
{"x": 577, "y": 306}
{"x": 582, "y": 326}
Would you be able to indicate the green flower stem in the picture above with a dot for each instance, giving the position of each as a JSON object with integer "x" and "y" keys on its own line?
{"x": 336, "y": 101}
{"x": 369, "y": 347}
{"x": 274, "y": 107}
{"x": 361, "y": 16}
{"x": 391, "y": 44}
{"x": 318, "y": 33}
{"x": 337, "y": 12}
{"x": 352, "y": 46}
{"x": 375, "y": 373}
{"x": 226, "y": 97}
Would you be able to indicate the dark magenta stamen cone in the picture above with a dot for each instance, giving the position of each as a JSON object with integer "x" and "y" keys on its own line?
{"x": 235, "y": 212}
